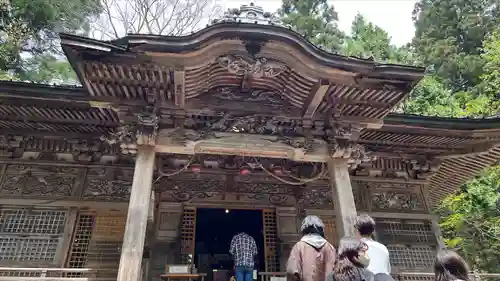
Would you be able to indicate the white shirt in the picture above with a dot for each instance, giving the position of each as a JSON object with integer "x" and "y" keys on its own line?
{"x": 379, "y": 257}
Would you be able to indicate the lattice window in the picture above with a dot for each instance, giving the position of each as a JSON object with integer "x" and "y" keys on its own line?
{"x": 401, "y": 277}
{"x": 97, "y": 243}
{"x": 412, "y": 244}
{"x": 330, "y": 230}
{"x": 30, "y": 235}
{"x": 412, "y": 256}
{"x": 406, "y": 232}
{"x": 270, "y": 237}
{"x": 80, "y": 243}
{"x": 188, "y": 231}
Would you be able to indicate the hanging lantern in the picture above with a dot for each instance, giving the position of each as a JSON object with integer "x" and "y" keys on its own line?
{"x": 195, "y": 168}
{"x": 277, "y": 170}
{"x": 244, "y": 170}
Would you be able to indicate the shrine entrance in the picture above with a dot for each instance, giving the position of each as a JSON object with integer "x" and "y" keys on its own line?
{"x": 206, "y": 235}
{"x": 214, "y": 230}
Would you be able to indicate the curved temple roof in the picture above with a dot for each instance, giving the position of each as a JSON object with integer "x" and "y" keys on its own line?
{"x": 246, "y": 53}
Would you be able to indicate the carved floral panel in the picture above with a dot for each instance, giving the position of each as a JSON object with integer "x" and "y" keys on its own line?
{"x": 397, "y": 201}
{"x": 39, "y": 181}
{"x": 107, "y": 190}
{"x": 192, "y": 186}
{"x": 108, "y": 184}
{"x": 396, "y": 197}
{"x": 276, "y": 194}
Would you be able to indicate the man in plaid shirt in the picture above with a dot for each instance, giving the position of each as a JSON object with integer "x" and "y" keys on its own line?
{"x": 243, "y": 249}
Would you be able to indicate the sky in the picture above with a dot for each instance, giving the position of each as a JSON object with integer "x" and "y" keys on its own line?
{"x": 394, "y": 16}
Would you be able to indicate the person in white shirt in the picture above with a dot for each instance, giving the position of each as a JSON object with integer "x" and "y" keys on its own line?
{"x": 377, "y": 252}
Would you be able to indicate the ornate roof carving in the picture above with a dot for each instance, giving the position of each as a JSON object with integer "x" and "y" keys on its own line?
{"x": 257, "y": 68}
{"x": 250, "y": 14}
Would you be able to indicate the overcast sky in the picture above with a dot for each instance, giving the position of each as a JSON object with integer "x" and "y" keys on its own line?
{"x": 394, "y": 16}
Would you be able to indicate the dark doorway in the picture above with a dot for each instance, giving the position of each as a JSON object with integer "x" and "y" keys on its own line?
{"x": 214, "y": 230}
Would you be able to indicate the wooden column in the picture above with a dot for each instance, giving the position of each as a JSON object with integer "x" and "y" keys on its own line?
{"x": 137, "y": 216}
{"x": 343, "y": 199}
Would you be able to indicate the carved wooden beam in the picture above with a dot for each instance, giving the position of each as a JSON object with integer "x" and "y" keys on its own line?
{"x": 124, "y": 81}
{"x": 315, "y": 97}
{"x": 63, "y": 121}
{"x": 58, "y": 100}
{"x": 50, "y": 134}
{"x": 179, "y": 87}
{"x": 130, "y": 136}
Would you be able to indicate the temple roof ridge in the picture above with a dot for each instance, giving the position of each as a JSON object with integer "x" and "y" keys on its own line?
{"x": 250, "y": 14}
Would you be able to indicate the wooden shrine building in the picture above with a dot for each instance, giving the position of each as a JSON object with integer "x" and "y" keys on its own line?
{"x": 244, "y": 114}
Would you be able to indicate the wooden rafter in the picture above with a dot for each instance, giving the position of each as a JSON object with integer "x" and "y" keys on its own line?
{"x": 315, "y": 97}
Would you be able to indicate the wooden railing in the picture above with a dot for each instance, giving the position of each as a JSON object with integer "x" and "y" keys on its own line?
{"x": 87, "y": 274}
{"x": 403, "y": 276}
{"x": 49, "y": 274}
{"x": 429, "y": 276}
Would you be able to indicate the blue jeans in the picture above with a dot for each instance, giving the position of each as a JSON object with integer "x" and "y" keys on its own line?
{"x": 243, "y": 273}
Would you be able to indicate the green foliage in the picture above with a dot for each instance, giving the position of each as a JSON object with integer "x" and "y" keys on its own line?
{"x": 449, "y": 35}
{"x": 470, "y": 221}
{"x": 47, "y": 69}
{"x": 491, "y": 77}
{"x": 449, "y": 38}
{"x": 316, "y": 20}
{"x": 29, "y": 27}
{"x": 432, "y": 98}
{"x": 457, "y": 39}
{"x": 367, "y": 40}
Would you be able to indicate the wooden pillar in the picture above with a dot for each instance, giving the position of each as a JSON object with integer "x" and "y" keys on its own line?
{"x": 137, "y": 216}
{"x": 343, "y": 199}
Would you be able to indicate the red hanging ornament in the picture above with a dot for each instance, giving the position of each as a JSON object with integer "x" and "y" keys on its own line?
{"x": 244, "y": 170}
{"x": 195, "y": 168}
{"x": 277, "y": 170}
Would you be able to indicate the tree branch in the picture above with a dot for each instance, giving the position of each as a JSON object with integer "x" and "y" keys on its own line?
{"x": 162, "y": 17}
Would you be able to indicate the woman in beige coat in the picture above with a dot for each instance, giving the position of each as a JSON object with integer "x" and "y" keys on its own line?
{"x": 312, "y": 258}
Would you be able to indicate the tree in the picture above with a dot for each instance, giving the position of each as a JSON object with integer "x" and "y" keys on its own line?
{"x": 368, "y": 40}
{"x": 47, "y": 68}
{"x": 470, "y": 221}
{"x": 159, "y": 17}
{"x": 457, "y": 39}
{"x": 432, "y": 98}
{"x": 316, "y": 20}
{"x": 449, "y": 35}
{"x": 490, "y": 80}
{"x": 29, "y": 28}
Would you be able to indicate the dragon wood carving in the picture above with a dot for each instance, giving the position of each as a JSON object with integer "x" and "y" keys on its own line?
{"x": 270, "y": 98}
{"x": 257, "y": 68}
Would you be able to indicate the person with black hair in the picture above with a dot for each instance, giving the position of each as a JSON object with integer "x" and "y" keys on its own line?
{"x": 450, "y": 266}
{"x": 379, "y": 255}
{"x": 351, "y": 262}
{"x": 312, "y": 258}
{"x": 243, "y": 250}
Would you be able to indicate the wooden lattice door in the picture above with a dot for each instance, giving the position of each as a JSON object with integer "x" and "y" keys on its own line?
{"x": 270, "y": 243}
{"x": 330, "y": 230}
{"x": 97, "y": 242}
{"x": 188, "y": 231}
